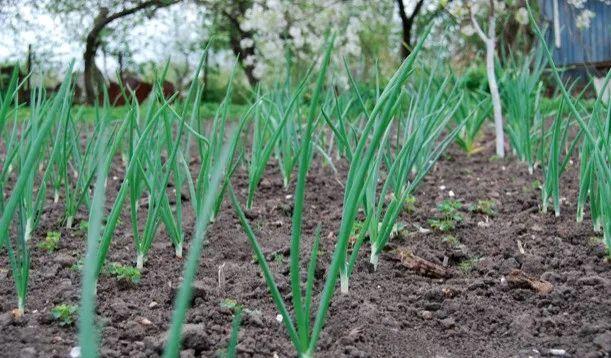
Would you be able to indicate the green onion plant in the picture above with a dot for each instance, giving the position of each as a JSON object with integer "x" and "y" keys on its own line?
{"x": 521, "y": 89}
{"x": 303, "y": 332}
{"x": 33, "y": 137}
{"x": 596, "y": 171}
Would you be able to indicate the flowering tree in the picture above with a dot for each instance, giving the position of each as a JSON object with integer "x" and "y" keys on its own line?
{"x": 276, "y": 29}
{"x": 584, "y": 16}
{"x": 107, "y": 12}
{"x": 472, "y": 15}
{"x": 414, "y": 12}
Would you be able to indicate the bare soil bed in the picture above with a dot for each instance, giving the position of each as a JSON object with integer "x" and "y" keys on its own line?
{"x": 478, "y": 311}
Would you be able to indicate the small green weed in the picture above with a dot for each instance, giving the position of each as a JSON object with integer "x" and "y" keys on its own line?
{"x": 64, "y": 314}
{"x": 466, "y": 266}
{"x": 356, "y": 231}
{"x": 443, "y": 225}
{"x": 397, "y": 229}
{"x": 448, "y": 216}
{"x": 124, "y": 273}
{"x": 486, "y": 207}
{"x": 451, "y": 240}
{"x": 449, "y": 208}
{"x": 83, "y": 226}
{"x": 51, "y": 242}
{"x": 77, "y": 266}
{"x": 231, "y": 304}
{"x": 409, "y": 205}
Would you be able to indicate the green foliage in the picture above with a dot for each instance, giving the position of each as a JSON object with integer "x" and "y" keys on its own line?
{"x": 475, "y": 78}
{"x": 448, "y": 215}
{"x": 24, "y": 152}
{"x": 451, "y": 240}
{"x": 397, "y": 229}
{"x": 390, "y": 135}
{"x": 64, "y": 314}
{"x": 77, "y": 266}
{"x": 216, "y": 89}
{"x": 474, "y": 108}
{"x": 409, "y": 204}
{"x": 443, "y": 225}
{"x": 521, "y": 89}
{"x": 370, "y": 140}
{"x": 417, "y": 146}
{"x": 449, "y": 209}
{"x": 595, "y": 172}
{"x": 466, "y": 266}
{"x": 124, "y": 273}
{"x": 233, "y": 339}
{"x": 486, "y": 207}
{"x": 358, "y": 227}
{"x": 83, "y": 226}
{"x": 231, "y": 304}
{"x": 51, "y": 242}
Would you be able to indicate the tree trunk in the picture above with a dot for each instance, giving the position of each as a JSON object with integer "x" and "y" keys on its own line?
{"x": 496, "y": 99}
{"x": 406, "y": 40}
{"x": 236, "y": 35}
{"x": 494, "y": 88}
{"x": 490, "y": 42}
{"x": 407, "y": 25}
{"x": 28, "y": 68}
{"x": 242, "y": 53}
{"x": 91, "y": 69}
{"x": 92, "y": 74}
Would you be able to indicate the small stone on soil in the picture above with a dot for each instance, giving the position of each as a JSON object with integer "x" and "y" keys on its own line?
{"x": 75, "y": 352}
{"x": 28, "y": 352}
{"x": 426, "y": 315}
{"x": 603, "y": 341}
{"x": 592, "y": 281}
{"x": 255, "y": 320}
{"x": 50, "y": 271}
{"x": 187, "y": 353}
{"x": 448, "y": 323}
{"x": 63, "y": 260}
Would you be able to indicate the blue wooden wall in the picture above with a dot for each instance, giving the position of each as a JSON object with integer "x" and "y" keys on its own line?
{"x": 591, "y": 46}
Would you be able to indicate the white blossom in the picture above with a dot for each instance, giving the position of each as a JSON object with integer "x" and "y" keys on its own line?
{"x": 280, "y": 27}
{"x": 578, "y": 4}
{"x": 582, "y": 21}
{"x": 467, "y": 30}
{"x": 249, "y": 60}
{"x": 522, "y": 16}
{"x": 259, "y": 70}
{"x": 246, "y": 43}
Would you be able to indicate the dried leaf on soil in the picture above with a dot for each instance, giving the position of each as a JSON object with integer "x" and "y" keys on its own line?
{"x": 517, "y": 278}
{"x": 420, "y": 265}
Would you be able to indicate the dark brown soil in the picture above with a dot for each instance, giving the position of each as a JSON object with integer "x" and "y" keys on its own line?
{"x": 392, "y": 312}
